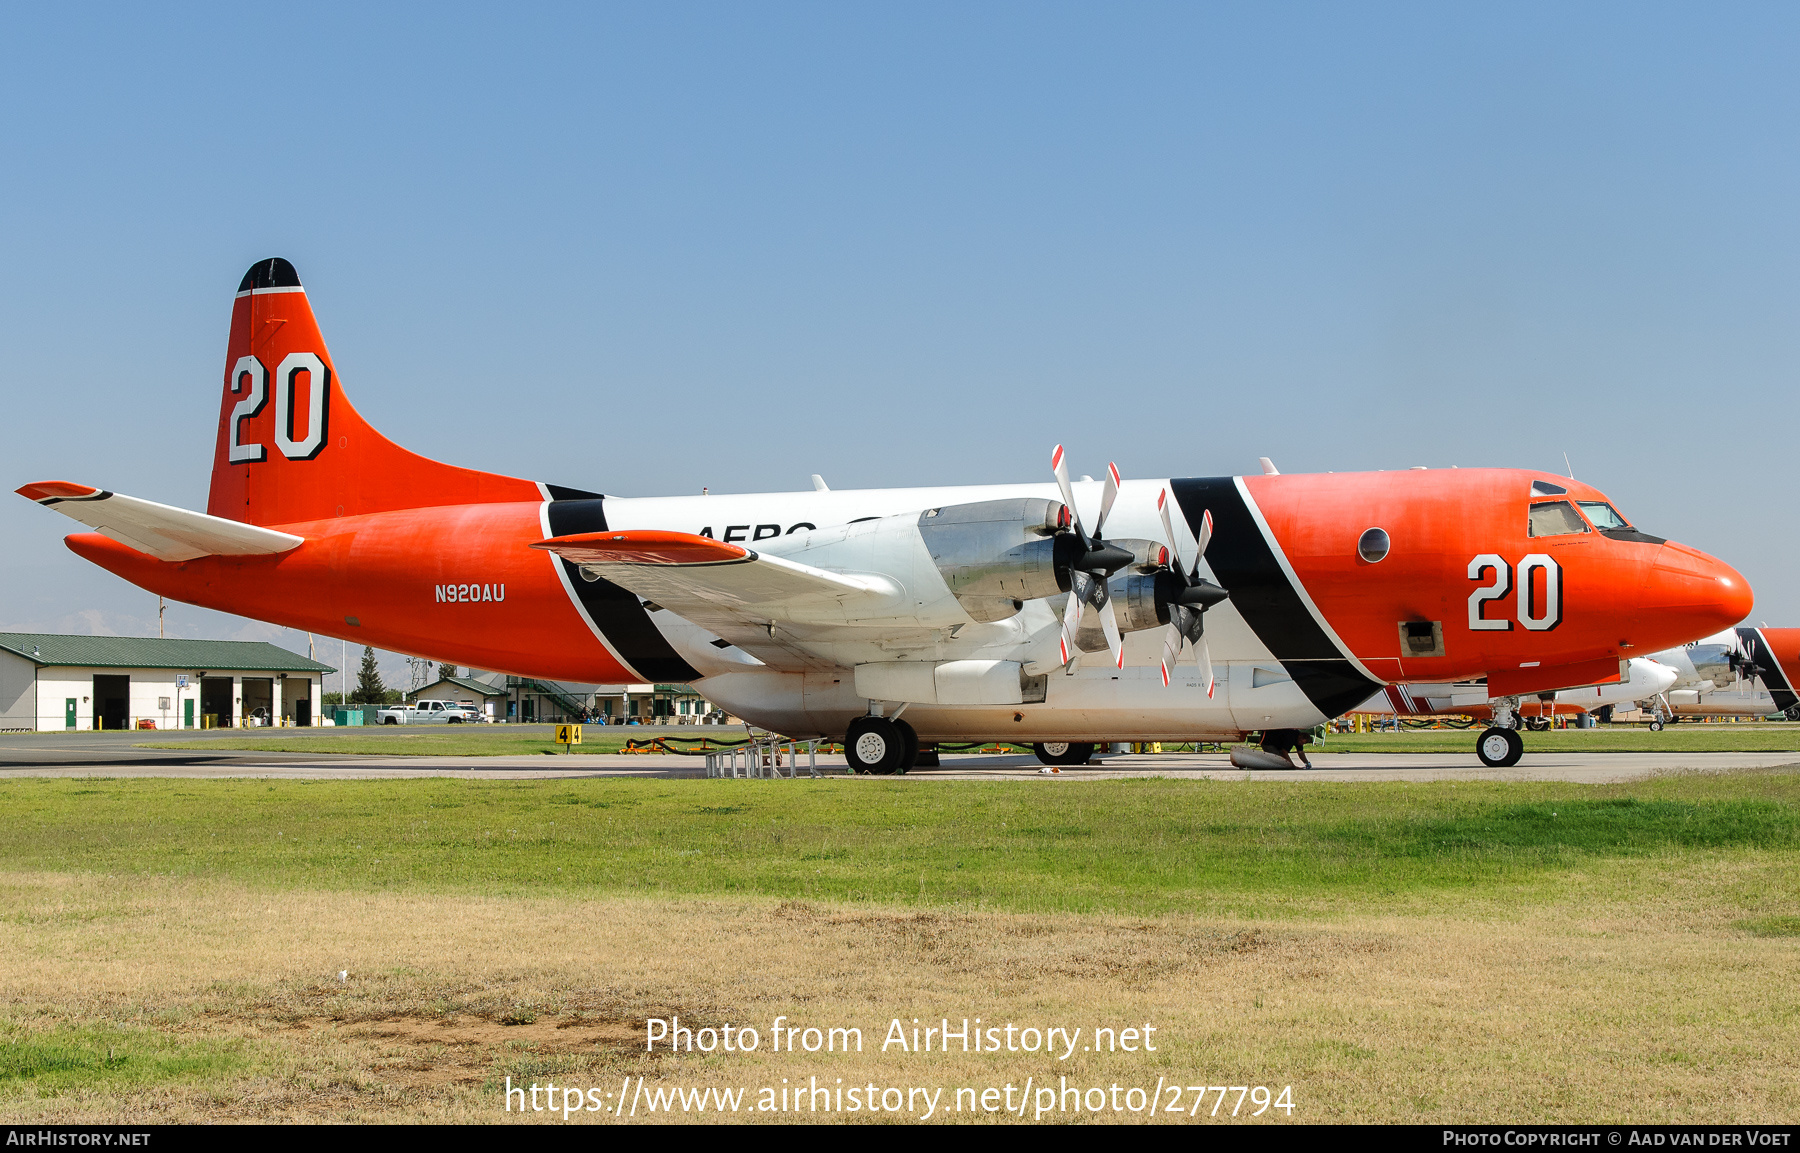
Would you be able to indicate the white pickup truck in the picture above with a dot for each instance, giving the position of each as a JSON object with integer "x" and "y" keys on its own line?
{"x": 429, "y": 713}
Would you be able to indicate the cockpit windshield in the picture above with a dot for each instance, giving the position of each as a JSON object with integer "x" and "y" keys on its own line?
{"x": 1555, "y": 518}
{"x": 1604, "y": 515}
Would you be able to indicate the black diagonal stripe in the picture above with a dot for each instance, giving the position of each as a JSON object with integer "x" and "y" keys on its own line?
{"x": 1241, "y": 558}
{"x": 616, "y": 611}
{"x": 558, "y": 492}
{"x": 1774, "y": 677}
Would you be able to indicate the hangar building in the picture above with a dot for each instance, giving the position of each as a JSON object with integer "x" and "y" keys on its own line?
{"x": 50, "y": 682}
{"x": 526, "y": 700}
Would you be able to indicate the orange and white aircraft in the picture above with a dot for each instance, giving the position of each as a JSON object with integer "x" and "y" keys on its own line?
{"x": 964, "y": 609}
{"x": 1742, "y": 672}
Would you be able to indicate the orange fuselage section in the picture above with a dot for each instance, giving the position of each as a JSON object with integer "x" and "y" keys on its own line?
{"x": 1572, "y": 598}
{"x": 455, "y": 583}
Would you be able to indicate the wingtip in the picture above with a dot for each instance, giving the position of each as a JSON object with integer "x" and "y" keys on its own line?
{"x": 643, "y": 546}
{"x": 54, "y": 490}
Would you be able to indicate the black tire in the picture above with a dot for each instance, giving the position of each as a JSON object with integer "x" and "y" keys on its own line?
{"x": 1500, "y": 748}
{"x": 909, "y": 747}
{"x": 1656, "y": 726}
{"x": 389, "y": 721}
{"x": 874, "y": 745}
{"x": 455, "y": 721}
{"x": 1538, "y": 724}
{"x": 1063, "y": 752}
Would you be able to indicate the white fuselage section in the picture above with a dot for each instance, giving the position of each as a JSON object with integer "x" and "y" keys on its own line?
{"x": 1096, "y": 701}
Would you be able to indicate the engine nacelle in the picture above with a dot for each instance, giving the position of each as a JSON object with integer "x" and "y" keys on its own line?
{"x": 997, "y": 554}
{"x": 1714, "y": 663}
{"x": 1141, "y": 600}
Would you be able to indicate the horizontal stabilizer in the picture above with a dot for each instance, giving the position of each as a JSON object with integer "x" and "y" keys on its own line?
{"x": 696, "y": 574}
{"x": 163, "y": 531}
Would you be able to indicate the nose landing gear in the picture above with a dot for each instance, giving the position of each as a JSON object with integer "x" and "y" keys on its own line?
{"x": 1500, "y": 747}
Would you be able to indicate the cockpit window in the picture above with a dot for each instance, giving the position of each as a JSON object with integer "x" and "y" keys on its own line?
{"x": 1555, "y": 518}
{"x": 1604, "y": 515}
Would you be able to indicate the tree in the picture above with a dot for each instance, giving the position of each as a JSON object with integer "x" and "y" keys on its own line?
{"x": 369, "y": 689}
{"x": 446, "y": 670}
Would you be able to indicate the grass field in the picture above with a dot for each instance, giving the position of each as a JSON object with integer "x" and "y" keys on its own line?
{"x": 1418, "y": 952}
{"x": 525, "y": 740}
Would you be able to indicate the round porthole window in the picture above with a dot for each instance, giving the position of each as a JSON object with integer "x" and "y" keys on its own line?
{"x": 1373, "y": 545}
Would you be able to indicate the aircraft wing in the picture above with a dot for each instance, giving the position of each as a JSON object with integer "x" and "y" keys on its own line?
{"x": 163, "y": 531}
{"x": 710, "y": 581}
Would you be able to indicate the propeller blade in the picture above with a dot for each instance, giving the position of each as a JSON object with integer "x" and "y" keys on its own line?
{"x": 1206, "y": 672}
{"x": 1172, "y": 639}
{"x": 1109, "y": 624}
{"x": 1162, "y": 507}
{"x": 1109, "y": 494}
{"x": 1072, "y": 615}
{"x": 1060, "y": 466}
{"x": 1205, "y": 538}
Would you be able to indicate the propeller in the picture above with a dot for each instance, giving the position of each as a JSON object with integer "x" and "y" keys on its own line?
{"x": 1089, "y": 571}
{"x": 1742, "y": 659}
{"x": 1187, "y": 610}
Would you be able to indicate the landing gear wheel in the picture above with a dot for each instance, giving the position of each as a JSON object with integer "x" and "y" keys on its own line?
{"x": 1538, "y": 724}
{"x": 874, "y": 745}
{"x": 1500, "y": 748}
{"x": 1063, "y": 752}
{"x": 1656, "y": 726}
{"x": 909, "y": 747}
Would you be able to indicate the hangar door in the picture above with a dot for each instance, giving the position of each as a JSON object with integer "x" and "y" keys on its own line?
{"x": 259, "y": 698}
{"x": 112, "y": 702}
{"x": 215, "y": 700}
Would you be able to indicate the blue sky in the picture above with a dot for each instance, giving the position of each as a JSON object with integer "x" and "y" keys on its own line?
{"x": 648, "y": 248}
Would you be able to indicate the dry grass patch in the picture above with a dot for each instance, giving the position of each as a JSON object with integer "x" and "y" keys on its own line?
{"x": 1658, "y": 1010}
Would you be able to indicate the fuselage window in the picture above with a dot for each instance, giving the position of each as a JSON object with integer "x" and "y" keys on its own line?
{"x": 1604, "y": 515}
{"x": 1555, "y": 518}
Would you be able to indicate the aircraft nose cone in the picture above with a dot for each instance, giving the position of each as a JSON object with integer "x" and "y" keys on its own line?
{"x": 1660, "y": 677}
{"x": 1702, "y": 593}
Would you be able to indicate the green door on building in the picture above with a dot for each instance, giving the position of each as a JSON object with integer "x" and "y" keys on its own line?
{"x": 187, "y": 719}
{"x": 69, "y": 712}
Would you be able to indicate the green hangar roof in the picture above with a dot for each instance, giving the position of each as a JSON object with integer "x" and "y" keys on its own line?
{"x": 473, "y": 686}
{"x": 157, "y": 653}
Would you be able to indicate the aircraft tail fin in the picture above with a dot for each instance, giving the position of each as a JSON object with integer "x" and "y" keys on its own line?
{"x": 290, "y": 446}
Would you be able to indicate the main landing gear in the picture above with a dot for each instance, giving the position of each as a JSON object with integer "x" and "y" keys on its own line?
{"x": 1063, "y": 752}
{"x": 881, "y": 746}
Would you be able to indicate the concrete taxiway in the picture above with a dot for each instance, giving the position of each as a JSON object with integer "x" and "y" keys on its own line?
{"x": 116, "y": 755}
